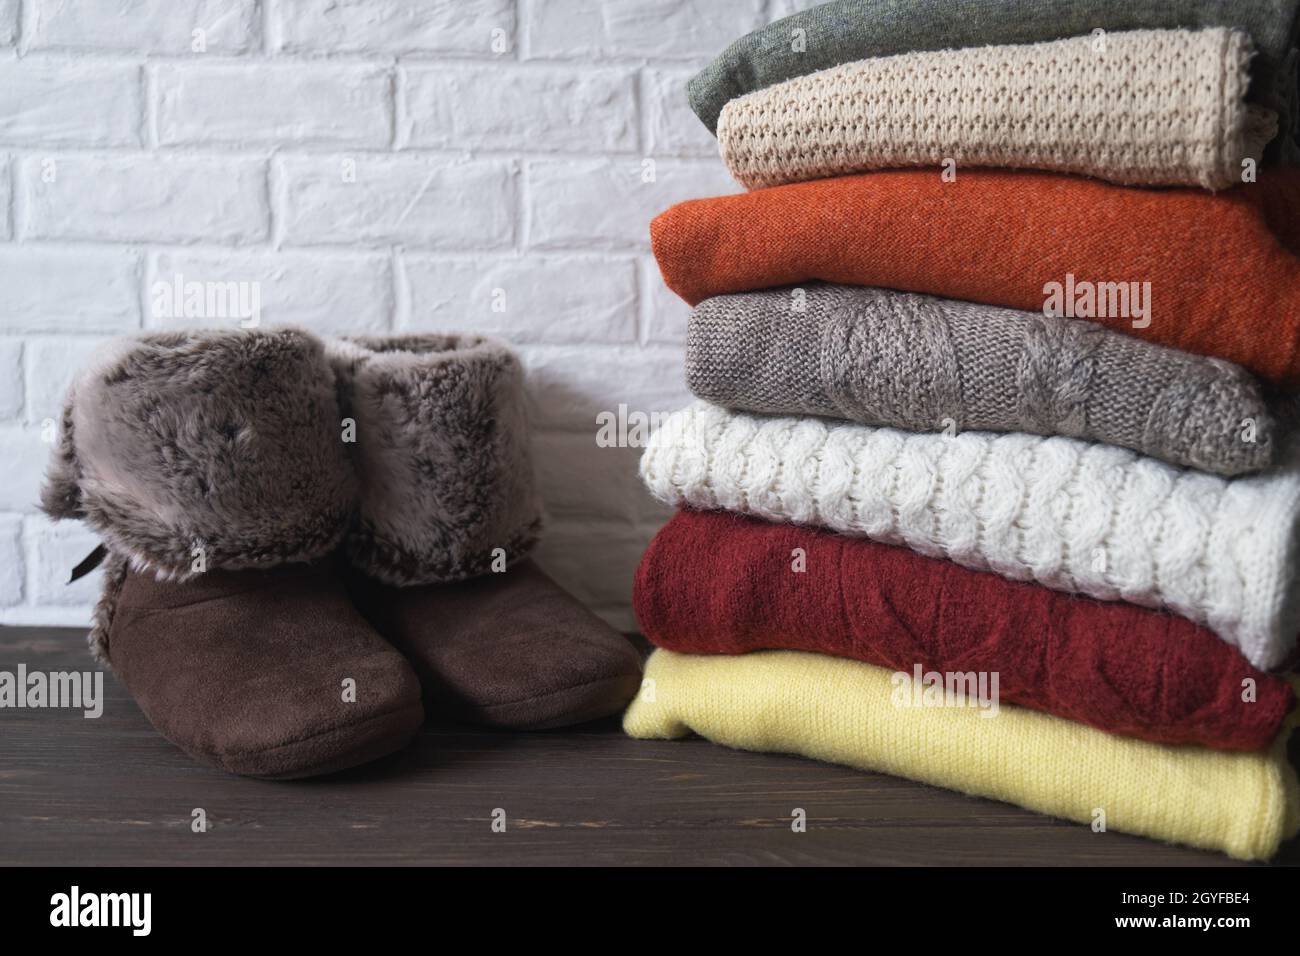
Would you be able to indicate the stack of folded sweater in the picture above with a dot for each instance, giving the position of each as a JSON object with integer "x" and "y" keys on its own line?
{"x": 991, "y": 482}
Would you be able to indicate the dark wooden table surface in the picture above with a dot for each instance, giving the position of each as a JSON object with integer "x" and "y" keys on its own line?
{"x": 112, "y": 791}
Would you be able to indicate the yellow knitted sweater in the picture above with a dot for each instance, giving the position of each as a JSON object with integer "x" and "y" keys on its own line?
{"x": 844, "y": 711}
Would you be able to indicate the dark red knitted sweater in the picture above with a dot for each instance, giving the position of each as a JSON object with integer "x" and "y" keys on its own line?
{"x": 721, "y": 583}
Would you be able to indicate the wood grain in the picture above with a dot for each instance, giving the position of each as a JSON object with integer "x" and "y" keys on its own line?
{"x": 112, "y": 791}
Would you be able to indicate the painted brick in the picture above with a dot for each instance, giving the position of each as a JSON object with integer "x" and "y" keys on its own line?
{"x": 569, "y": 386}
{"x": 52, "y": 364}
{"x": 11, "y": 378}
{"x": 81, "y": 104}
{"x": 579, "y": 479}
{"x": 477, "y": 27}
{"x": 421, "y": 201}
{"x": 145, "y": 198}
{"x": 594, "y": 561}
{"x": 12, "y": 565}
{"x": 517, "y": 168}
{"x": 9, "y": 21}
{"x": 285, "y": 103}
{"x": 329, "y": 294}
{"x": 667, "y": 315}
{"x": 783, "y": 8}
{"x": 669, "y": 29}
{"x": 6, "y": 196}
{"x": 69, "y": 290}
{"x": 597, "y": 201}
{"x": 486, "y": 107}
{"x": 561, "y": 299}
{"x": 22, "y": 467}
{"x": 57, "y": 548}
{"x": 145, "y": 26}
{"x": 672, "y": 128}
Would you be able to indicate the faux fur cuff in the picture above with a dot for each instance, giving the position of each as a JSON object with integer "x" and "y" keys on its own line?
{"x": 216, "y": 446}
{"x": 442, "y": 453}
{"x": 114, "y": 571}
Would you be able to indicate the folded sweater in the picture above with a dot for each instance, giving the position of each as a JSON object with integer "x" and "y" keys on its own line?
{"x": 847, "y": 712}
{"x": 1079, "y": 517}
{"x": 1150, "y": 107}
{"x": 713, "y": 582}
{"x": 847, "y": 30}
{"x": 1223, "y": 269}
{"x": 912, "y": 361}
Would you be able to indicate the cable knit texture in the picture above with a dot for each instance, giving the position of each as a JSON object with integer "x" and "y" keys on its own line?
{"x": 847, "y": 712}
{"x": 713, "y": 582}
{"x": 1223, "y": 268}
{"x": 1153, "y": 107}
{"x": 1079, "y": 517}
{"x": 926, "y": 364}
{"x": 843, "y": 31}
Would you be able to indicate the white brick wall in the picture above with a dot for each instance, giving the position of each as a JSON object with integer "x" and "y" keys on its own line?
{"x": 375, "y": 165}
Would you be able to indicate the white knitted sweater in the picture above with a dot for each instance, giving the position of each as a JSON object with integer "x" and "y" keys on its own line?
{"x": 1142, "y": 106}
{"x": 1071, "y": 515}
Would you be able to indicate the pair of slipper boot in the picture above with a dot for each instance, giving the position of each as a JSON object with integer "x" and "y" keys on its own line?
{"x": 307, "y": 544}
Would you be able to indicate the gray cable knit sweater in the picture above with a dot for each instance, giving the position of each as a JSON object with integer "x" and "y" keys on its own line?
{"x": 926, "y": 364}
{"x": 846, "y": 30}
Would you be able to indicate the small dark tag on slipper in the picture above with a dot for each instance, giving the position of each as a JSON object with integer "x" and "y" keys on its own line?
{"x": 88, "y": 563}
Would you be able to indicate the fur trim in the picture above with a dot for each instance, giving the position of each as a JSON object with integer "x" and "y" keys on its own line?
{"x": 442, "y": 453}
{"x": 225, "y": 440}
{"x": 114, "y": 570}
{"x": 60, "y": 496}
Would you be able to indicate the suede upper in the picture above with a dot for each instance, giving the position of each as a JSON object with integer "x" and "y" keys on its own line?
{"x": 268, "y": 674}
{"x": 510, "y": 649}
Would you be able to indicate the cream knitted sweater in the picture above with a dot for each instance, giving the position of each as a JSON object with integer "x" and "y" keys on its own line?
{"x": 1160, "y": 107}
{"x": 1072, "y": 515}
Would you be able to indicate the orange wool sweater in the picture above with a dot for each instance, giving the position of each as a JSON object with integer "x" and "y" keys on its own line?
{"x": 1224, "y": 269}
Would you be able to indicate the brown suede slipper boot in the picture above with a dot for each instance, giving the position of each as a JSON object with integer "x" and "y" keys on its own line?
{"x": 212, "y": 465}
{"x": 448, "y": 510}
{"x": 306, "y": 686}
{"x": 510, "y": 650}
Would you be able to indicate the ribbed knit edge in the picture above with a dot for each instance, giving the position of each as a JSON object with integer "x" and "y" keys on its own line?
{"x": 662, "y": 236}
{"x": 1246, "y": 130}
{"x": 1281, "y": 802}
{"x": 1272, "y": 602}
